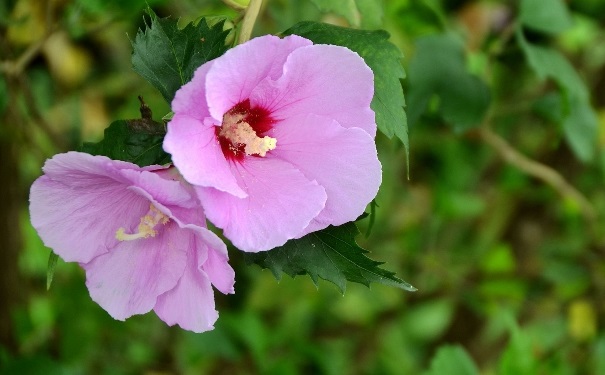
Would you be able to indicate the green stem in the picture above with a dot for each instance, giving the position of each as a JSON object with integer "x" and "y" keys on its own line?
{"x": 249, "y": 19}
{"x": 234, "y": 5}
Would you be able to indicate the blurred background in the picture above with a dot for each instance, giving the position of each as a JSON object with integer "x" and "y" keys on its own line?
{"x": 500, "y": 224}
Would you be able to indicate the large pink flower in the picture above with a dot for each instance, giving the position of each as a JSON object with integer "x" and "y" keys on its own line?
{"x": 277, "y": 135}
{"x": 139, "y": 233}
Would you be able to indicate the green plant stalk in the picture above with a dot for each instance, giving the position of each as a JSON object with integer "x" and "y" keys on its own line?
{"x": 249, "y": 20}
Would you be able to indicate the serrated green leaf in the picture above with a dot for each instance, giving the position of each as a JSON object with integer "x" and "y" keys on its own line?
{"x": 167, "y": 56}
{"x": 383, "y": 57}
{"x": 360, "y": 13}
{"x": 579, "y": 120}
{"x": 452, "y": 360}
{"x": 438, "y": 68}
{"x": 135, "y": 141}
{"x": 549, "y": 16}
{"x": 50, "y": 271}
{"x": 331, "y": 254}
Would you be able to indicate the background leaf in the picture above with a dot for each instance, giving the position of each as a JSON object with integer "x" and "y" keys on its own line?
{"x": 135, "y": 141}
{"x": 331, "y": 254}
{"x": 359, "y": 13}
{"x": 382, "y": 57}
{"x": 438, "y": 68}
{"x": 167, "y": 56}
{"x": 579, "y": 119}
{"x": 452, "y": 360}
{"x": 50, "y": 271}
{"x": 549, "y": 16}
{"x": 518, "y": 357}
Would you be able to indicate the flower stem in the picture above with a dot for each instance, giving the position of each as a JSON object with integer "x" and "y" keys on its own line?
{"x": 249, "y": 19}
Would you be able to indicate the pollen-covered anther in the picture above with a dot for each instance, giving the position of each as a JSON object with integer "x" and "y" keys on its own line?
{"x": 239, "y": 132}
{"x": 146, "y": 226}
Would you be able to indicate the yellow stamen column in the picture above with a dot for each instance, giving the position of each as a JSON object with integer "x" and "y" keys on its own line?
{"x": 146, "y": 227}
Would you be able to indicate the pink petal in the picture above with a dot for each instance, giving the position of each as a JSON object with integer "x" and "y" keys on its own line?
{"x": 190, "y": 99}
{"x": 281, "y": 202}
{"x": 234, "y": 75}
{"x": 197, "y": 153}
{"x": 77, "y": 214}
{"x": 78, "y": 167}
{"x": 190, "y": 304}
{"x": 128, "y": 280}
{"x": 324, "y": 80}
{"x": 216, "y": 265}
{"x": 168, "y": 192}
{"x": 343, "y": 161}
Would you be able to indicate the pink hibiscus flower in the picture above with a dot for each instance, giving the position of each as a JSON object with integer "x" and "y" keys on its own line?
{"x": 277, "y": 135}
{"x": 139, "y": 233}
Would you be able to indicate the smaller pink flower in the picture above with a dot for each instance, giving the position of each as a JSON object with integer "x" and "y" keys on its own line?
{"x": 139, "y": 233}
{"x": 277, "y": 136}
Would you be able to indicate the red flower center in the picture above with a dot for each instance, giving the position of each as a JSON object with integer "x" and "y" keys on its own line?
{"x": 242, "y": 132}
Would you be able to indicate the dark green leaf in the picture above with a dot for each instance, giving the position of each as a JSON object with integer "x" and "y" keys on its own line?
{"x": 331, "y": 254}
{"x": 385, "y": 61}
{"x": 438, "y": 68}
{"x": 579, "y": 120}
{"x": 50, "y": 271}
{"x": 550, "y": 107}
{"x": 135, "y": 141}
{"x": 167, "y": 56}
{"x": 452, "y": 360}
{"x": 550, "y": 16}
{"x": 364, "y": 13}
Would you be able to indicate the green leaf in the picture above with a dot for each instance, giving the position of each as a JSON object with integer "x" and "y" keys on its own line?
{"x": 452, "y": 360}
{"x": 438, "y": 68}
{"x": 331, "y": 254}
{"x": 383, "y": 57}
{"x": 579, "y": 120}
{"x": 550, "y": 107}
{"x": 372, "y": 216}
{"x": 599, "y": 355}
{"x": 549, "y": 16}
{"x": 360, "y": 13}
{"x": 518, "y": 357}
{"x": 167, "y": 56}
{"x": 135, "y": 141}
{"x": 372, "y": 13}
{"x": 50, "y": 271}
{"x": 580, "y": 128}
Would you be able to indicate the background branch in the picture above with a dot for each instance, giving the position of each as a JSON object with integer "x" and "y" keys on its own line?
{"x": 540, "y": 171}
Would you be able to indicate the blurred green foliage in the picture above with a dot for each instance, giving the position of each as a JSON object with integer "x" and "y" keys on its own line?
{"x": 511, "y": 275}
